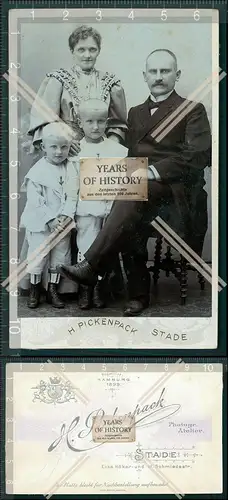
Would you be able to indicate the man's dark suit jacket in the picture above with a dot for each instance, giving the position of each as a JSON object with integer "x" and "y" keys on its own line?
{"x": 180, "y": 158}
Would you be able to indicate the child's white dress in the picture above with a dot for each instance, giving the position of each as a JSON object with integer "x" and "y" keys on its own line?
{"x": 52, "y": 190}
{"x": 91, "y": 214}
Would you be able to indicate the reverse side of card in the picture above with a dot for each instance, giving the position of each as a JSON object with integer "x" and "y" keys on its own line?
{"x": 82, "y": 429}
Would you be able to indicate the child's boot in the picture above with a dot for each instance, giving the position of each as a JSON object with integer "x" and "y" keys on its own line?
{"x": 34, "y": 293}
{"x": 98, "y": 295}
{"x": 85, "y": 297}
{"x": 52, "y": 294}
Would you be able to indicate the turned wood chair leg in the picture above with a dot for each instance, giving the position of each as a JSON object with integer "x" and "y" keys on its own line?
{"x": 183, "y": 280}
{"x": 157, "y": 259}
{"x": 168, "y": 258}
{"x": 201, "y": 281}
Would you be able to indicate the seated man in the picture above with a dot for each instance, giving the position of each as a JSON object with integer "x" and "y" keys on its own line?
{"x": 178, "y": 148}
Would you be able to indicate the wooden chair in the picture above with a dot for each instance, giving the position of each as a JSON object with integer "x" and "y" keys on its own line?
{"x": 178, "y": 267}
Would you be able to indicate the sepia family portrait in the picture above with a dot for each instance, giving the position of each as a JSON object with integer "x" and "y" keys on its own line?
{"x": 106, "y": 91}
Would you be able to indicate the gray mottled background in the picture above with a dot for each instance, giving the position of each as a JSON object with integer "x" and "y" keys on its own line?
{"x": 44, "y": 48}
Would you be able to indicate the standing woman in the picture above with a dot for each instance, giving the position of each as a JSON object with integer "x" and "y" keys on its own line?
{"x": 61, "y": 92}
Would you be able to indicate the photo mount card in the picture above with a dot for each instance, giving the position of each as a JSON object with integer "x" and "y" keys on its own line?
{"x": 165, "y": 323}
{"x": 88, "y": 436}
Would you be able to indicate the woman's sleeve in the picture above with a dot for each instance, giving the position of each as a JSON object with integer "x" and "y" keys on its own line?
{"x": 117, "y": 122}
{"x": 46, "y": 106}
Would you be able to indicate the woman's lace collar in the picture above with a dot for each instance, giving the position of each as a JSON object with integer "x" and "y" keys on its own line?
{"x": 79, "y": 71}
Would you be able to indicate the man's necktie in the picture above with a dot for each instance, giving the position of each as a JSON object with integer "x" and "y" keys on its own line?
{"x": 153, "y": 105}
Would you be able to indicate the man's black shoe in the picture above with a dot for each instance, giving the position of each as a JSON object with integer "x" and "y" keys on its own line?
{"x": 134, "y": 307}
{"x": 81, "y": 273}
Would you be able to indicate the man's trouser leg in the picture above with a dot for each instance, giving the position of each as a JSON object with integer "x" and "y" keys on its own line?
{"x": 124, "y": 220}
{"x": 135, "y": 259}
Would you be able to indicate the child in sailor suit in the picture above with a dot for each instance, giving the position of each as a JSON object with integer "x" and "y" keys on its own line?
{"x": 90, "y": 215}
{"x": 52, "y": 193}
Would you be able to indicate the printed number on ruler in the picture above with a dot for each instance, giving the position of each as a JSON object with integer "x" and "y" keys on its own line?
{"x": 14, "y": 261}
{"x": 15, "y": 131}
{"x": 62, "y": 367}
{"x": 65, "y": 15}
{"x": 164, "y": 15}
{"x": 41, "y": 367}
{"x": 208, "y": 368}
{"x": 132, "y": 15}
{"x": 98, "y": 15}
{"x": 14, "y": 329}
{"x": 15, "y": 163}
{"x": 197, "y": 15}
{"x": 145, "y": 366}
{"x": 32, "y": 14}
{"x": 125, "y": 367}
{"x": 15, "y": 65}
{"x": 83, "y": 367}
{"x": 15, "y": 196}
{"x": 15, "y": 98}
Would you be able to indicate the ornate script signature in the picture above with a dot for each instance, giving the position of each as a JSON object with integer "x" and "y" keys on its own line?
{"x": 144, "y": 417}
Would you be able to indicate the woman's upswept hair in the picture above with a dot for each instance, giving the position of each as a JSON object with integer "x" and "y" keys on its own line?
{"x": 82, "y": 33}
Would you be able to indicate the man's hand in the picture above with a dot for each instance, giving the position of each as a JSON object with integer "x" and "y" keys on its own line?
{"x": 141, "y": 172}
{"x": 145, "y": 174}
{"x": 75, "y": 148}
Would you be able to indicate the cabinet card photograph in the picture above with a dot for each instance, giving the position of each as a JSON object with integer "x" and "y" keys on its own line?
{"x": 113, "y": 145}
{"x": 111, "y": 428}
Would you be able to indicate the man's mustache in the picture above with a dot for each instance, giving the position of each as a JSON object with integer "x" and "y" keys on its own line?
{"x": 158, "y": 83}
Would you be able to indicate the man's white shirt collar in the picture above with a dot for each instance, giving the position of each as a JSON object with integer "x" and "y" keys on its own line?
{"x": 160, "y": 98}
